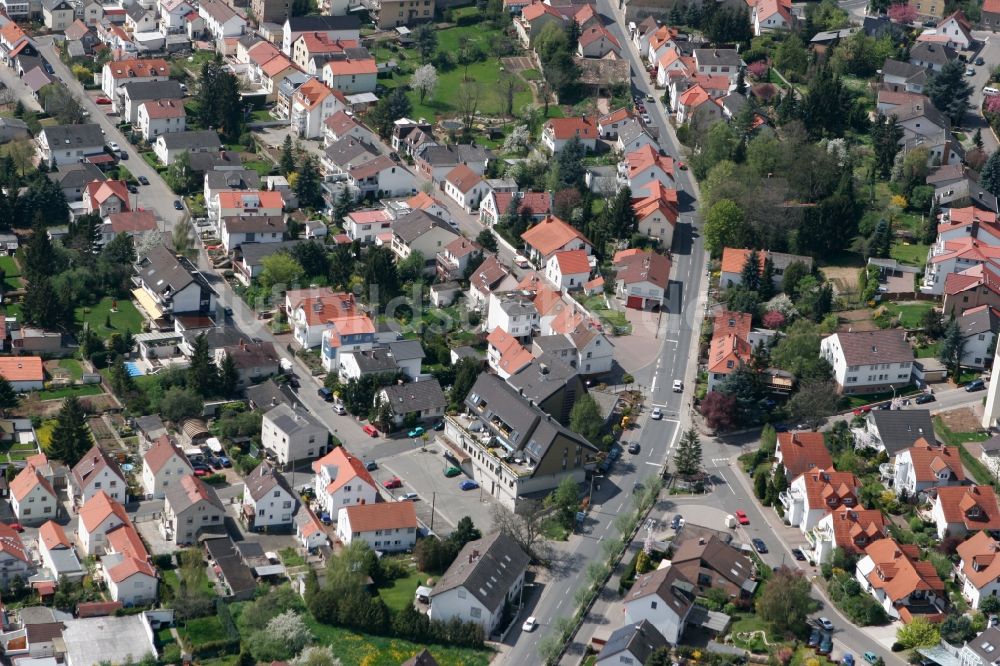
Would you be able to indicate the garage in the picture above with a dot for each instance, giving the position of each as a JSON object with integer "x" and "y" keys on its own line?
{"x": 634, "y": 302}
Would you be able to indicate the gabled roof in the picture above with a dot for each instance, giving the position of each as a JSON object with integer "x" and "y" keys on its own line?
{"x": 94, "y": 463}
{"x": 138, "y": 68}
{"x": 899, "y": 429}
{"x": 132, "y": 221}
{"x": 98, "y": 508}
{"x": 489, "y": 274}
{"x": 164, "y": 108}
{"x": 572, "y": 262}
{"x": 264, "y": 479}
{"x": 979, "y": 320}
{"x": 980, "y": 557}
{"x": 802, "y": 451}
{"x": 22, "y": 368}
{"x": 26, "y": 481}
{"x": 203, "y": 139}
{"x": 11, "y": 544}
{"x": 854, "y": 527}
{"x": 415, "y": 397}
{"x": 381, "y": 516}
{"x": 825, "y": 485}
{"x": 645, "y": 267}
{"x": 99, "y": 191}
{"x": 53, "y": 536}
{"x": 930, "y": 460}
{"x": 582, "y": 127}
{"x": 416, "y": 223}
{"x": 871, "y": 347}
{"x": 937, "y": 54}
{"x": 486, "y": 568}
{"x": 898, "y": 571}
{"x": 463, "y": 178}
{"x": 551, "y": 234}
{"x": 975, "y": 507}
{"x": 161, "y": 452}
{"x": 667, "y": 584}
{"x": 648, "y": 157}
{"x": 191, "y": 491}
{"x": 343, "y": 468}
{"x": 715, "y": 554}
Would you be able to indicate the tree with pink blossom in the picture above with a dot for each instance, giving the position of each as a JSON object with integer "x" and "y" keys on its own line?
{"x": 773, "y": 320}
{"x": 992, "y": 104}
{"x": 758, "y": 69}
{"x": 902, "y": 13}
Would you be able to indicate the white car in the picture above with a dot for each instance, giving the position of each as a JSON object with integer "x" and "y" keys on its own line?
{"x": 825, "y": 623}
{"x": 521, "y": 261}
{"x": 678, "y": 386}
{"x": 656, "y": 414}
{"x": 529, "y": 624}
{"x": 408, "y": 497}
{"x": 113, "y": 145}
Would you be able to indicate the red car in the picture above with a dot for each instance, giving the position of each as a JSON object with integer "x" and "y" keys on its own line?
{"x": 370, "y": 430}
{"x": 17, "y": 527}
{"x": 394, "y": 482}
{"x": 741, "y": 517}
{"x": 861, "y": 411}
{"x": 200, "y": 472}
{"x": 103, "y": 100}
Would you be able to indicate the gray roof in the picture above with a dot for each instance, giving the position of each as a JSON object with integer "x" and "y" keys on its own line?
{"x": 416, "y": 223}
{"x": 904, "y": 70}
{"x": 349, "y": 151}
{"x": 290, "y": 420}
{"x": 179, "y": 499}
{"x": 982, "y": 319}
{"x": 456, "y": 154}
{"x": 966, "y": 188}
{"x": 631, "y": 131}
{"x": 831, "y": 35}
{"x": 928, "y": 111}
{"x": 542, "y": 377}
{"x": 406, "y": 350}
{"x": 238, "y": 179}
{"x": 320, "y": 23}
{"x": 264, "y": 479}
{"x": 14, "y": 123}
{"x": 254, "y": 253}
{"x": 415, "y": 397}
{"x": 946, "y": 173}
{"x": 724, "y": 57}
{"x": 551, "y": 344}
{"x": 938, "y": 54}
{"x": 734, "y": 103}
{"x": 529, "y": 429}
{"x": 54, "y": 4}
{"x": 260, "y": 224}
{"x": 140, "y": 91}
{"x": 465, "y": 351}
{"x": 80, "y": 136}
{"x": 216, "y": 159}
{"x": 518, "y": 306}
{"x": 899, "y": 429}
{"x": 267, "y": 394}
{"x": 189, "y": 140}
{"x": 76, "y": 175}
{"x": 487, "y": 568}
{"x": 161, "y": 270}
{"x": 238, "y": 575}
{"x": 375, "y": 360}
{"x": 136, "y": 11}
{"x": 985, "y": 645}
{"x": 992, "y": 444}
{"x": 640, "y": 640}
{"x": 150, "y": 424}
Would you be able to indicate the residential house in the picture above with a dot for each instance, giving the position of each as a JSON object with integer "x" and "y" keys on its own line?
{"x": 351, "y": 75}
{"x": 920, "y": 120}
{"x": 490, "y": 275}
{"x": 816, "y": 493}
{"x": 134, "y": 223}
{"x": 342, "y": 125}
{"x": 24, "y": 373}
{"x": 656, "y": 212}
{"x": 238, "y": 230}
{"x": 135, "y": 94}
{"x": 979, "y": 568}
{"x": 168, "y": 146}
{"x": 568, "y": 270}
{"x": 436, "y": 162}
{"x": 250, "y": 203}
{"x": 869, "y": 361}
{"x": 345, "y": 335}
{"x": 72, "y": 179}
{"x": 455, "y": 259}
{"x": 139, "y": 18}
{"x": 32, "y": 498}
{"x": 644, "y": 166}
{"x": 389, "y": 14}
{"x": 253, "y": 361}
{"x": 899, "y": 581}
{"x": 642, "y": 279}
{"x": 597, "y": 42}
{"x": 536, "y": 452}
{"x": 419, "y": 231}
{"x": 486, "y": 576}
{"x": 292, "y": 434}
{"x": 99, "y": 515}
{"x": 401, "y": 131}
{"x": 171, "y": 285}
{"x": 309, "y": 531}
{"x": 714, "y": 564}
{"x": 221, "y": 20}
{"x": 133, "y": 70}
{"x": 236, "y": 180}
{"x": 931, "y": 56}
{"x": 126, "y": 568}
{"x": 850, "y": 528}
{"x": 191, "y": 507}
{"x": 552, "y": 235}
{"x": 57, "y": 553}
{"x": 610, "y": 124}
{"x": 269, "y": 503}
{"x": 513, "y": 313}
{"x": 465, "y": 187}
{"x": 802, "y": 451}
{"x": 632, "y": 136}
{"x": 730, "y": 348}
{"x": 697, "y": 104}
{"x": 381, "y": 177}
{"x": 557, "y": 131}
{"x": 631, "y": 644}
{"x": 311, "y": 310}
{"x": 537, "y": 205}
{"x": 96, "y": 472}
{"x": 366, "y": 362}
{"x": 106, "y": 197}
{"x": 989, "y": 17}
{"x": 550, "y": 383}
{"x": 160, "y": 117}
{"x": 664, "y": 598}
{"x": 957, "y": 29}
{"x": 718, "y": 61}
{"x": 333, "y": 27}
{"x": 734, "y": 259}
{"x": 505, "y": 355}
{"x": 414, "y": 401}
{"x": 924, "y": 466}
{"x": 387, "y": 527}
{"x": 958, "y": 510}
{"x": 771, "y": 15}
{"x": 15, "y": 560}
{"x": 312, "y": 103}
{"x": 894, "y": 431}
{"x": 57, "y": 14}
{"x": 341, "y": 156}
{"x": 163, "y": 465}
{"x": 68, "y": 144}
{"x": 979, "y": 328}
{"x": 172, "y": 13}
{"x": 341, "y": 479}
{"x": 903, "y": 76}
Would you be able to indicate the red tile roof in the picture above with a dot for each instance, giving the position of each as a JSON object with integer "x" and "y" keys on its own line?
{"x": 99, "y": 191}
{"x": 382, "y": 516}
{"x": 644, "y": 267}
{"x": 98, "y": 508}
{"x": 53, "y": 536}
{"x": 572, "y": 262}
{"x": 550, "y": 235}
{"x": 899, "y": 572}
{"x": 463, "y": 178}
{"x": 136, "y": 68}
{"x": 855, "y": 528}
{"x": 802, "y": 451}
{"x": 348, "y": 468}
{"x": 26, "y": 481}
{"x": 929, "y": 460}
{"x": 161, "y": 452}
{"x": 582, "y": 127}
{"x": 971, "y": 278}
{"x": 164, "y": 108}
{"x": 975, "y": 507}
{"x": 734, "y": 259}
{"x": 22, "y": 368}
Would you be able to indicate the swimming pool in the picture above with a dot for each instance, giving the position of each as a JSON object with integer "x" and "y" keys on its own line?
{"x": 133, "y": 369}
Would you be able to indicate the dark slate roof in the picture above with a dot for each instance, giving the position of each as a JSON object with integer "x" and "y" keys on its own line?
{"x": 376, "y": 360}
{"x": 140, "y": 91}
{"x": 416, "y": 223}
{"x": 406, "y": 350}
{"x": 899, "y": 429}
{"x": 983, "y": 319}
{"x": 966, "y": 189}
{"x": 190, "y": 140}
{"x": 161, "y": 269}
{"x": 318, "y": 23}
{"x": 542, "y": 377}
{"x": 454, "y": 154}
{"x": 264, "y": 479}
{"x": 724, "y": 57}
{"x": 238, "y": 179}
{"x": 267, "y": 394}
{"x": 83, "y": 136}
{"x": 902, "y": 70}
{"x": 938, "y": 54}
{"x": 75, "y": 175}
{"x": 640, "y": 640}
{"x": 254, "y": 253}
{"x": 415, "y": 396}
{"x": 992, "y": 444}
{"x": 985, "y": 645}
{"x": 238, "y": 575}
{"x": 204, "y": 162}
{"x": 487, "y": 568}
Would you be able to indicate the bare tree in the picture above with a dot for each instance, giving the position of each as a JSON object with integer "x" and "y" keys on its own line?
{"x": 6, "y": 96}
{"x": 468, "y": 102}
{"x": 525, "y": 528}
{"x": 182, "y": 235}
{"x": 508, "y": 86}
{"x": 424, "y": 81}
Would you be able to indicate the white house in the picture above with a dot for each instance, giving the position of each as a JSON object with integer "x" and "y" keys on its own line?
{"x": 664, "y": 598}
{"x": 312, "y": 104}
{"x": 771, "y": 15}
{"x": 238, "y": 230}
{"x": 419, "y": 231}
{"x": 869, "y": 361}
{"x": 190, "y": 508}
{"x": 268, "y": 501}
{"x": 893, "y": 574}
{"x": 465, "y": 187}
{"x": 221, "y": 20}
{"x": 25, "y": 373}
{"x": 486, "y": 575}
{"x": 69, "y": 144}
{"x": 816, "y": 493}
{"x": 126, "y": 569}
{"x": 979, "y": 651}
{"x": 133, "y": 70}
{"x": 957, "y": 29}
{"x": 341, "y": 479}
{"x": 97, "y": 472}
{"x": 641, "y": 278}
{"x": 979, "y": 568}
{"x": 422, "y": 401}
{"x": 958, "y": 510}
{"x": 163, "y": 465}
{"x": 57, "y": 552}
{"x": 15, "y": 559}
{"x": 512, "y": 313}
{"x": 172, "y": 13}
{"x": 553, "y": 235}
{"x": 169, "y": 146}
{"x": 311, "y": 311}
{"x": 32, "y": 497}
{"x": 979, "y": 326}
{"x": 631, "y": 644}
{"x": 924, "y": 466}
{"x": 292, "y": 434}
{"x": 381, "y": 177}
{"x": 388, "y": 527}
{"x": 350, "y": 76}
{"x": 98, "y": 516}
{"x": 568, "y": 270}
{"x": 558, "y": 131}
{"x": 851, "y": 529}
{"x": 160, "y": 117}
{"x": 309, "y": 531}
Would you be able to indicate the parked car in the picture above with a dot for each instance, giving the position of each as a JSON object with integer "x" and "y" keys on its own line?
{"x": 178, "y": 205}
{"x": 798, "y": 554}
{"x": 848, "y": 660}
{"x": 656, "y": 414}
{"x": 871, "y": 657}
{"x": 970, "y": 71}
{"x": 113, "y": 145}
{"x": 143, "y": 180}
{"x": 975, "y": 385}
{"x": 200, "y": 471}
{"x": 979, "y": 61}
{"x": 759, "y": 545}
{"x": 529, "y": 624}
{"x": 451, "y": 471}
{"x": 339, "y": 409}
{"x": 325, "y": 393}
{"x": 394, "y": 482}
{"x": 521, "y": 261}
{"x": 468, "y": 484}
{"x": 615, "y": 452}
{"x": 861, "y": 411}
{"x": 17, "y": 527}
{"x": 215, "y": 463}
{"x": 678, "y": 386}
{"x": 741, "y": 517}
{"x": 633, "y": 448}
{"x": 408, "y": 497}
{"x": 825, "y": 644}
{"x": 132, "y": 188}
{"x": 814, "y": 637}
{"x": 924, "y": 398}
{"x": 677, "y": 522}
{"x": 103, "y": 100}
{"x": 371, "y": 466}
{"x": 438, "y": 425}
{"x": 825, "y": 623}
{"x": 370, "y": 430}
{"x": 416, "y": 432}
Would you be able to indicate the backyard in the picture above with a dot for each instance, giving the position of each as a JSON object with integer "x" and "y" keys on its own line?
{"x": 401, "y": 592}
{"x": 12, "y": 272}
{"x": 125, "y": 318}
{"x": 909, "y": 314}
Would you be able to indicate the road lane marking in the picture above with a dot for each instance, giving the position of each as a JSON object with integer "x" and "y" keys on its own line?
{"x": 654, "y": 464}
{"x": 620, "y": 507}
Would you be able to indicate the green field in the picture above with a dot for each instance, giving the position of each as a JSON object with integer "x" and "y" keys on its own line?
{"x": 909, "y": 314}
{"x": 202, "y": 630}
{"x": 400, "y": 593}
{"x": 910, "y": 254}
{"x": 356, "y": 648}
{"x": 127, "y": 318}
{"x": 12, "y": 272}
{"x": 73, "y": 367}
{"x": 66, "y": 391}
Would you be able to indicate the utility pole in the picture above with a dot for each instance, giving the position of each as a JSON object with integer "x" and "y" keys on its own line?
{"x": 433, "y": 500}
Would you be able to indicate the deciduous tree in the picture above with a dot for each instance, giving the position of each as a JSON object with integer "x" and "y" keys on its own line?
{"x": 785, "y": 601}
{"x": 585, "y": 417}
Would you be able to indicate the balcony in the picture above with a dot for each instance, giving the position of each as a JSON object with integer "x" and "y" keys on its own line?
{"x": 491, "y": 447}
{"x": 448, "y": 268}
{"x": 790, "y": 497}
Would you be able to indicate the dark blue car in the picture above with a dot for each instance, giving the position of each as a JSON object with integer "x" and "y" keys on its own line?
{"x": 468, "y": 484}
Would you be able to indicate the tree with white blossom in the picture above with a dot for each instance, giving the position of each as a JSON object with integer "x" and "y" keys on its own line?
{"x": 316, "y": 655}
{"x": 424, "y": 81}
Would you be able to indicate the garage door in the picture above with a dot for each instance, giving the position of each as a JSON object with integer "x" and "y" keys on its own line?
{"x": 634, "y": 302}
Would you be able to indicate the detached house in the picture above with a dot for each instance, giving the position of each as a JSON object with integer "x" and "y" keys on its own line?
{"x": 924, "y": 466}
{"x": 57, "y": 14}
{"x": 869, "y": 361}
{"x": 486, "y": 576}
{"x": 15, "y": 559}
{"x": 631, "y": 644}
{"x": 268, "y": 501}
{"x": 98, "y": 516}
{"x": 734, "y": 259}
{"x": 126, "y": 569}
{"x": 979, "y": 328}
{"x": 68, "y": 144}
{"x": 292, "y": 434}
{"x": 387, "y": 527}
{"x": 119, "y": 72}
{"x": 190, "y": 508}
{"x": 160, "y": 117}
{"x": 381, "y": 177}
{"x": 97, "y": 472}
{"x": 568, "y": 270}
{"x": 958, "y": 510}
{"x": 642, "y": 279}
{"x": 664, "y": 598}
{"x": 57, "y": 552}
{"x": 900, "y": 582}
{"x": 800, "y": 452}
{"x": 32, "y": 497}
{"x": 957, "y": 29}
{"x": 851, "y": 528}
{"x": 816, "y": 493}
{"x": 639, "y": 168}
{"x": 979, "y": 568}
{"x": 310, "y": 312}
{"x": 894, "y": 430}
{"x": 312, "y": 104}
{"x": 713, "y": 564}
{"x": 557, "y": 131}
{"x": 770, "y": 15}
{"x": 341, "y": 479}
{"x": 465, "y": 187}
{"x": 552, "y": 235}
{"x": 168, "y": 146}
{"x": 421, "y": 401}
{"x": 163, "y": 465}
{"x": 537, "y": 205}
{"x": 106, "y": 197}
{"x": 419, "y": 231}
{"x": 221, "y": 21}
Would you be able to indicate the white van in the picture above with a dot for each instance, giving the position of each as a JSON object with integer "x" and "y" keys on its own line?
{"x": 989, "y": 92}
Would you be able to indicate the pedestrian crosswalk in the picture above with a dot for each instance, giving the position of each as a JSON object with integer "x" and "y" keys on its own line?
{"x": 720, "y": 462}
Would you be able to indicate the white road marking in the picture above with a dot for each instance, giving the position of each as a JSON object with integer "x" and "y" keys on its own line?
{"x": 620, "y": 507}
{"x": 654, "y": 464}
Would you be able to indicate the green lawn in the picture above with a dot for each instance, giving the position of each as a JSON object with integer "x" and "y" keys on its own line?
{"x": 910, "y": 254}
{"x": 73, "y": 367}
{"x": 261, "y": 116}
{"x": 202, "y": 630}
{"x": 400, "y": 593}
{"x": 930, "y": 351}
{"x": 909, "y": 314}
{"x": 262, "y": 167}
{"x": 66, "y": 391}
{"x": 127, "y": 318}
{"x": 291, "y": 558}
{"x": 12, "y": 272}
{"x": 357, "y": 648}
{"x": 171, "y": 580}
